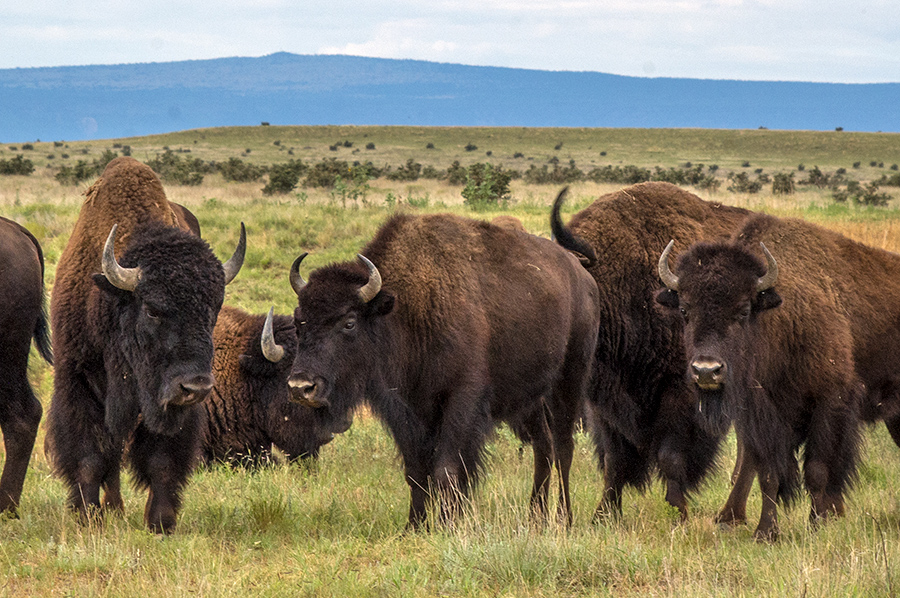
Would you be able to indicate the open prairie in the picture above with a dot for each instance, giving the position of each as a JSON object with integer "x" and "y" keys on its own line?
{"x": 337, "y": 529}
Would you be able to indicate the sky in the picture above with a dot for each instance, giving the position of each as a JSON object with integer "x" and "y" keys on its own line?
{"x": 764, "y": 40}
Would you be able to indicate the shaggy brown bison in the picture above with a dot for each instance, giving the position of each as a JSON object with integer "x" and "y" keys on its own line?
{"x": 22, "y": 318}
{"x": 784, "y": 348}
{"x": 133, "y": 344}
{"x": 249, "y": 409}
{"x": 446, "y": 326}
{"x": 642, "y": 411}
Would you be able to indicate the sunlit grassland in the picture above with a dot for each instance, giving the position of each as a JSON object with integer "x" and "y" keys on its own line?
{"x": 338, "y": 529}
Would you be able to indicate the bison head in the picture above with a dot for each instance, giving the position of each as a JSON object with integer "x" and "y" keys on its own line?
{"x": 341, "y": 334}
{"x": 158, "y": 308}
{"x": 719, "y": 291}
{"x": 297, "y": 430}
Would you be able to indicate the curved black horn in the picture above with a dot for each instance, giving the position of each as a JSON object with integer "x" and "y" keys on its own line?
{"x": 665, "y": 274}
{"x": 270, "y": 349}
{"x": 565, "y": 237}
{"x": 767, "y": 281}
{"x": 234, "y": 263}
{"x": 123, "y": 278}
{"x": 297, "y": 282}
{"x": 368, "y": 291}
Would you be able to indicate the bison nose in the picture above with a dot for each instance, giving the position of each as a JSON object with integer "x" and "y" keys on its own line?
{"x": 193, "y": 389}
{"x": 307, "y": 392}
{"x": 708, "y": 373}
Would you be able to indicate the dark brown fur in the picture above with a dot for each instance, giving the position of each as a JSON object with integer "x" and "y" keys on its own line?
{"x": 643, "y": 413}
{"x": 835, "y": 338}
{"x": 249, "y": 410}
{"x": 121, "y": 355}
{"x": 474, "y": 324}
{"x": 23, "y": 318}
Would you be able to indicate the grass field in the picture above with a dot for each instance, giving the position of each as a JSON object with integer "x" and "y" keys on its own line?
{"x": 338, "y": 530}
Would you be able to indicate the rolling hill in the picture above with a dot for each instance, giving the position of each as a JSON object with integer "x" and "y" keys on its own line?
{"x": 112, "y": 101}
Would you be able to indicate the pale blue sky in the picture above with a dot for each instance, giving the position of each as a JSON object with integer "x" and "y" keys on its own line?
{"x": 791, "y": 40}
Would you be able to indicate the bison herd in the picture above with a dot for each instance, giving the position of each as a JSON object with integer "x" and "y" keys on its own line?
{"x": 445, "y": 326}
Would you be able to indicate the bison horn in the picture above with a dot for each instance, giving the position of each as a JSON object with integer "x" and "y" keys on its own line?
{"x": 767, "y": 281}
{"x": 371, "y": 288}
{"x": 270, "y": 349}
{"x": 297, "y": 282}
{"x": 666, "y": 275}
{"x": 123, "y": 278}
{"x": 234, "y": 263}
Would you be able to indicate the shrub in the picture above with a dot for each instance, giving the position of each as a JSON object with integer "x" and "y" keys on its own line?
{"x": 429, "y": 145}
{"x": 558, "y": 146}
{"x": 783, "y": 183}
{"x": 239, "y": 171}
{"x": 867, "y": 194}
{"x": 408, "y": 172}
{"x": 324, "y": 173}
{"x": 283, "y": 178}
{"x": 471, "y": 147}
{"x": 17, "y": 165}
{"x": 518, "y": 155}
{"x": 559, "y": 175}
{"x": 27, "y": 147}
{"x": 456, "y": 174}
{"x": 740, "y": 183}
{"x": 486, "y": 186}
{"x": 72, "y": 175}
{"x": 622, "y": 175}
{"x": 818, "y": 178}
{"x": 172, "y": 168}
{"x": 370, "y": 146}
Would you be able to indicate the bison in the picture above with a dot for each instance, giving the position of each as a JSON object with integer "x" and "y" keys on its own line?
{"x": 23, "y": 318}
{"x": 133, "y": 344}
{"x": 445, "y": 326}
{"x": 787, "y": 349}
{"x": 249, "y": 409}
{"x": 642, "y": 411}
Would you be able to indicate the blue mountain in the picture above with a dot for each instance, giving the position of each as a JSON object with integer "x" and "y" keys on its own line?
{"x": 113, "y": 101}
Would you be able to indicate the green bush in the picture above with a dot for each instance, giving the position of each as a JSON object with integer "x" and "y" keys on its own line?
{"x": 324, "y": 173}
{"x": 239, "y": 171}
{"x": 486, "y": 186}
{"x": 867, "y": 195}
{"x": 740, "y": 183}
{"x": 783, "y": 183}
{"x": 72, "y": 175}
{"x": 284, "y": 178}
{"x": 456, "y": 174}
{"x": 408, "y": 172}
{"x": 17, "y": 165}
{"x": 172, "y": 168}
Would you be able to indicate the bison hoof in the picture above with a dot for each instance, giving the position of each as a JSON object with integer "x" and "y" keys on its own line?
{"x": 769, "y": 536}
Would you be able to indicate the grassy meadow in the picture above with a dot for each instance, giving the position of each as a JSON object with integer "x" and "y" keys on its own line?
{"x": 338, "y": 529}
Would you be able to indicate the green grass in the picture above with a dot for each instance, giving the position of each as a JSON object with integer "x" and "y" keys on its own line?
{"x": 338, "y": 530}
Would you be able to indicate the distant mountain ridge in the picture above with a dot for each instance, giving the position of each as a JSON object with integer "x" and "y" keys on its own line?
{"x": 123, "y": 100}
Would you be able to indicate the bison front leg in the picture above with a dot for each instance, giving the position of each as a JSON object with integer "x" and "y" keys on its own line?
{"x": 20, "y": 415}
{"x": 163, "y": 464}
{"x": 767, "y": 530}
{"x": 734, "y": 511}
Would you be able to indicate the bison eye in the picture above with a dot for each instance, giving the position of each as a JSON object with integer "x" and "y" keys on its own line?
{"x": 349, "y": 324}
{"x": 152, "y": 313}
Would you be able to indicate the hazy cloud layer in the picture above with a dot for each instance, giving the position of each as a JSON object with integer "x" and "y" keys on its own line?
{"x": 798, "y": 40}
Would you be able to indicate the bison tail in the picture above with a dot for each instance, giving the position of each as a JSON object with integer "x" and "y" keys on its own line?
{"x": 42, "y": 334}
{"x": 565, "y": 237}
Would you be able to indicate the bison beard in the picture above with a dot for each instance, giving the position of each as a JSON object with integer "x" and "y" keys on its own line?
{"x": 785, "y": 370}
{"x": 471, "y": 324}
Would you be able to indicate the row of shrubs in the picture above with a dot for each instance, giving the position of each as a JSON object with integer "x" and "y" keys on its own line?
{"x": 483, "y": 182}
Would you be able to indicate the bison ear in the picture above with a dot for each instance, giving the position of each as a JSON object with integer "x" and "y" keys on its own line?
{"x": 667, "y": 298}
{"x": 766, "y": 300}
{"x": 380, "y": 305}
{"x": 107, "y": 287}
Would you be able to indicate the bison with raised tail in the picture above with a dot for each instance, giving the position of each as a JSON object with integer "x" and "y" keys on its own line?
{"x": 249, "y": 409}
{"x": 133, "y": 344}
{"x": 784, "y": 348}
{"x": 22, "y": 318}
{"x": 446, "y": 326}
{"x": 642, "y": 411}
